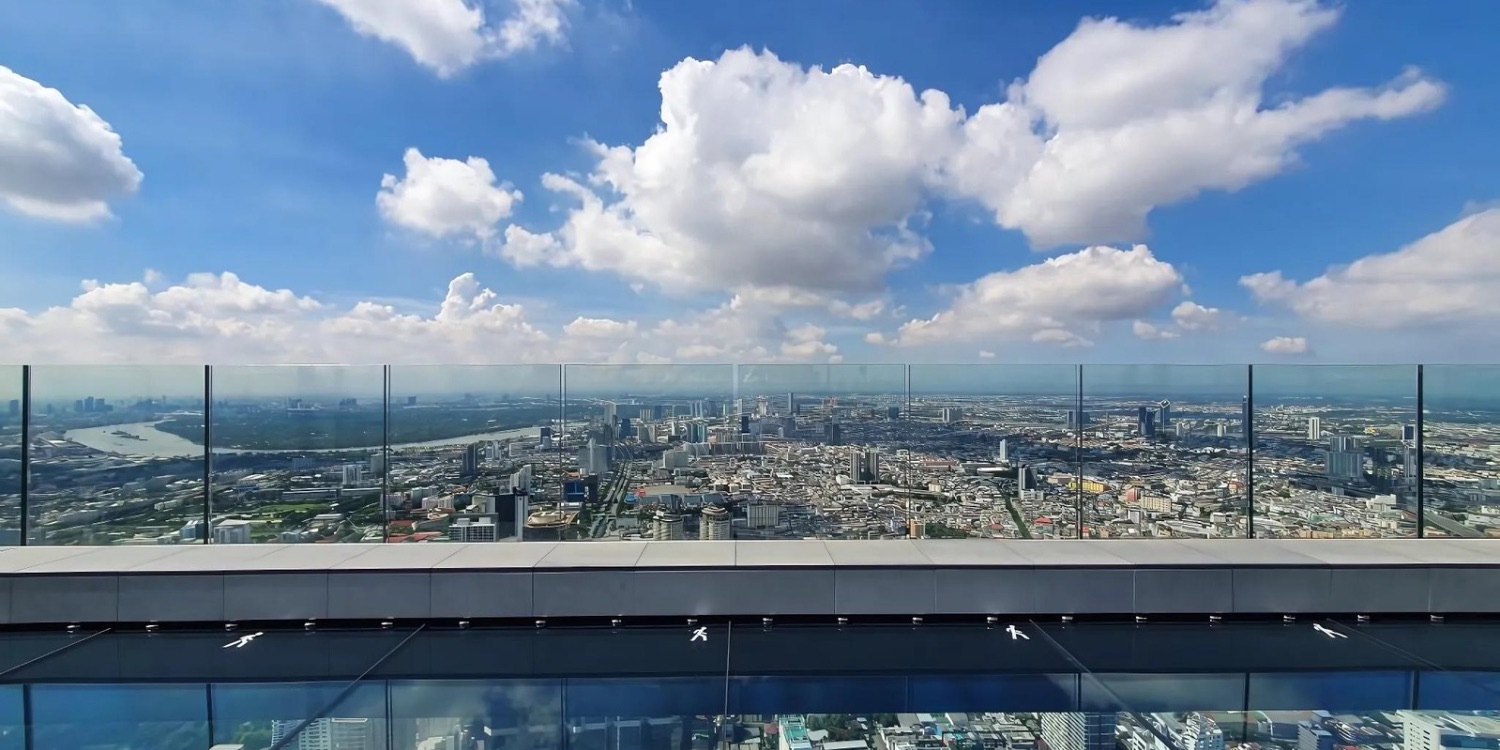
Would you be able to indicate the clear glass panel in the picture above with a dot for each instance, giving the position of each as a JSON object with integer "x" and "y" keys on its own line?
{"x": 297, "y": 452}
{"x": 1460, "y": 434}
{"x": 656, "y": 445}
{"x": 469, "y": 448}
{"x": 991, "y": 451}
{"x": 523, "y": 713}
{"x": 356, "y": 720}
{"x": 257, "y": 715}
{"x": 1331, "y": 458}
{"x": 11, "y": 452}
{"x": 117, "y": 454}
{"x": 1164, "y": 452}
{"x": 119, "y": 717}
{"x": 829, "y": 437}
{"x": 12, "y": 717}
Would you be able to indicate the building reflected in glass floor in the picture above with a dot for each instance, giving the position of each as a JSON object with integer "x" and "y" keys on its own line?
{"x": 1314, "y": 685}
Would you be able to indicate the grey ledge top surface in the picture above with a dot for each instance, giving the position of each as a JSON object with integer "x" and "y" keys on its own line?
{"x": 545, "y": 556}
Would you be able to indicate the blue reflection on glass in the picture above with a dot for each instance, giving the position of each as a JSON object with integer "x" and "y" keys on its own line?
{"x": 1458, "y": 691}
{"x": 1330, "y": 691}
{"x": 656, "y": 696}
{"x": 250, "y": 714}
{"x": 980, "y": 693}
{"x": 1162, "y": 692}
{"x": 12, "y": 717}
{"x": 161, "y": 717}
{"x": 771, "y": 695}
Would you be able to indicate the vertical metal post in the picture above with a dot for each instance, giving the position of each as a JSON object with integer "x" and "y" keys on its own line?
{"x": 1249, "y": 430}
{"x": 1078, "y": 451}
{"x": 905, "y": 415}
{"x": 562, "y": 427}
{"x": 385, "y": 452}
{"x": 25, "y": 520}
{"x": 26, "y": 717}
{"x": 208, "y": 452}
{"x": 1421, "y": 454}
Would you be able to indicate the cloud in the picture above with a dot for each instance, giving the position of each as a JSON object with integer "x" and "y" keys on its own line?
{"x": 446, "y": 197}
{"x": 220, "y": 318}
{"x": 1118, "y": 119}
{"x": 765, "y": 173}
{"x": 1093, "y": 285}
{"x": 58, "y": 160}
{"x": 1149, "y": 332}
{"x": 983, "y": 354}
{"x": 448, "y": 36}
{"x": 1191, "y": 316}
{"x": 1065, "y": 339}
{"x": 1289, "y": 345}
{"x": 1449, "y": 277}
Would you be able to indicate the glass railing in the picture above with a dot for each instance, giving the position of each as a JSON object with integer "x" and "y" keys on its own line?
{"x": 726, "y": 686}
{"x": 428, "y": 453}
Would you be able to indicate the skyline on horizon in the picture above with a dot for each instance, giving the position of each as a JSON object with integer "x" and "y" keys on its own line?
{"x": 538, "y": 181}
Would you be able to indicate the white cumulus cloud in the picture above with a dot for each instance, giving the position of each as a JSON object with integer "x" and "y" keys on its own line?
{"x": 763, "y": 172}
{"x": 1046, "y": 300}
{"x": 446, "y": 197}
{"x": 1451, "y": 276}
{"x": 220, "y": 318}
{"x": 1285, "y": 345}
{"x": 58, "y": 160}
{"x": 1191, "y": 316}
{"x": 448, "y": 36}
{"x": 1150, "y": 332}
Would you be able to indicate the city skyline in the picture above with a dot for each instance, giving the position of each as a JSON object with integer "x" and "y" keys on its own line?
{"x": 608, "y": 181}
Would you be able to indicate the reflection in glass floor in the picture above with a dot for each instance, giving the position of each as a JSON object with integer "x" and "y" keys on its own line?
{"x": 1011, "y": 686}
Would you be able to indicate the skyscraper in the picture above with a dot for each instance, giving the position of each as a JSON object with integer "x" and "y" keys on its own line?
{"x": 714, "y": 524}
{"x": 1164, "y": 414}
{"x": 1314, "y": 428}
{"x": 1346, "y": 457}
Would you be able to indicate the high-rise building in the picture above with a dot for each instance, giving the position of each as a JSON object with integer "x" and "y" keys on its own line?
{"x": 893, "y": 413}
{"x": 1002, "y": 454}
{"x": 952, "y": 414}
{"x": 666, "y": 526}
{"x": 856, "y": 465}
{"x": 1245, "y": 416}
{"x": 470, "y": 464}
{"x": 714, "y": 523}
{"x": 326, "y": 734}
{"x": 762, "y": 516}
{"x": 1310, "y": 736}
{"x": 872, "y": 466}
{"x": 1201, "y": 733}
{"x": 1078, "y": 731}
{"x": 1408, "y": 433}
{"x": 1346, "y": 457}
{"x": 15, "y": 407}
{"x": 833, "y": 433}
{"x": 1164, "y": 414}
{"x": 1146, "y": 422}
{"x": 232, "y": 531}
{"x": 791, "y": 404}
{"x": 1314, "y": 428}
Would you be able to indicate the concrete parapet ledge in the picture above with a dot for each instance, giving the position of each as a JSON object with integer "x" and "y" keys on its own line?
{"x": 234, "y": 583}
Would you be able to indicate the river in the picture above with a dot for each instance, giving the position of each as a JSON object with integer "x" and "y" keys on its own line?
{"x": 153, "y": 443}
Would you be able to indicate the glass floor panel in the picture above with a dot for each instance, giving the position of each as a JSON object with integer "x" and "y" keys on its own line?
{"x": 1010, "y": 686}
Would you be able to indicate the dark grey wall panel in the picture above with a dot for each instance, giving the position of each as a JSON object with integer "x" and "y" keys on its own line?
{"x": 1388, "y": 590}
{"x": 984, "y": 591}
{"x": 786, "y": 591}
{"x": 1184, "y": 590}
{"x": 276, "y": 596}
{"x": 374, "y": 595}
{"x": 1281, "y": 590}
{"x": 1080, "y": 591}
{"x": 668, "y": 593}
{"x": 79, "y": 598}
{"x": 866, "y": 591}
{"x": 1465, "y": 590}
{"x": 601, "y": 592}
{"x": 465, "y": 593}
{"x": 821, "y": 579}
{"x": 171, "y": 598}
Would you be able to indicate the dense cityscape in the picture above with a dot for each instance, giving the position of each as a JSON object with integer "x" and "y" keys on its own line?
{"x": 1159, "y": 453}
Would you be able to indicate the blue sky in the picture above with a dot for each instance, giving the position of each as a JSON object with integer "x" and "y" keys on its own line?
{"x": 262, "y": 132}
